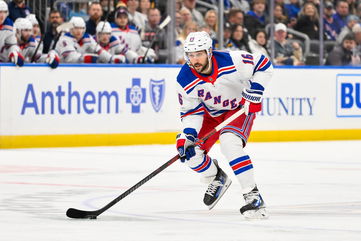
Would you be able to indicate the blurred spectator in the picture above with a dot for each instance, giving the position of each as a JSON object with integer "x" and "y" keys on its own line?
{"x": 239, "y": 39}
{"x": 144, "y": 6}
{"x": 352, "y": 6}
{"x": 292, "y": 9}
{"x": 241, "y": 4}
{"x": 124, "y": 31}
{"x": 358, "y": 10}
{"x": 18, "y": 9}
{"x": 227, "y": 32}
{"x": 286, "y": 53}
{"x": 329, "y": 25}
{"x": 259, "y": 44}
{"x": 79, "y": 10}
{"x": 186, "y": 15}
{"x": 178, "y": 23}
{"x": 55, "y": 20}
{"x": 178, "y": 5}
{"x": 196, "y": 15}
{"x": 256, "y": 18}
{"x": 95, "y": 15}
{"x": 340, "y": 17}
{"x": 307, "y": 22}
{"x": 211, "y": 20}
{"x": 351, "y": 21}
{"x": 150, "y": 34}
{"x": 279, "y": 16}
{"x": 236, "y": 16}
{"x": 108, "y": 9}
{"x": 356, "y": 29}
{"x": 135, "y": 17}
{"x": 344, "y": 53}
{"x": 188, "y": 28}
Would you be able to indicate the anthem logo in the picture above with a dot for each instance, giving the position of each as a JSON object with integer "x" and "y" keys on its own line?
{"x": 348, "y": 95}
{"x": 157, "y": 93}
{"x": 136, "y": 95}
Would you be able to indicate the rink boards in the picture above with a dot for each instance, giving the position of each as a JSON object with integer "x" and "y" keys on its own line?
{"x": 91, "y": 105}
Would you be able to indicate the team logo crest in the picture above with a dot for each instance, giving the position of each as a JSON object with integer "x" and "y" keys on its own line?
{"x": 157, "y": 93}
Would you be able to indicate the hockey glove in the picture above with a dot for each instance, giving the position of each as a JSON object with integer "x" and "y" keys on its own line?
{"x": 185, "y": 143}
{"x": 52, "y": 59}
{"x": 90, "y": 58}
{"x": 252, "y": 99}
{"x": 16, "y": 58}
{"x": 118, "y": 59}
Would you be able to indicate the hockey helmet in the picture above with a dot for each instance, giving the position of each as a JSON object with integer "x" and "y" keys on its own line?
{"x": 103, "y": 27}
{"x": 3, "y": 6}
{"x": 23, "y": 24}
{"x": 32, "y": 19}
{"x": 77, "y": 22}
{"x": 197, "y": 41}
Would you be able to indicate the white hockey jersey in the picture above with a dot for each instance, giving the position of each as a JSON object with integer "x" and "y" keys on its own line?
{"x": 222, "y": 89}
{"x": 8, "y": 41}
{"x": 73, "y": 51}
{"x": 130, "y": 35}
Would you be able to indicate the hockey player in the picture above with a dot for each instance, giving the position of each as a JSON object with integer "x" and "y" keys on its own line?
{"x": 9, "y": 51}
{"x": 113, "y": 44}
{"x": 28, "y": 45}
{"x": 36, "y": 27}
{"x": 211, "y": 87}
{"x": 129, "y": 33}
{"x": 77, "y": 46}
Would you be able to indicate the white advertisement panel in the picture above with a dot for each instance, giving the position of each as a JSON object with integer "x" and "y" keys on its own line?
{"x": 79, "y": 99}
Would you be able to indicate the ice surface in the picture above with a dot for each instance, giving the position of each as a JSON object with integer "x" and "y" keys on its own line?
{"x": 312, "y": 190}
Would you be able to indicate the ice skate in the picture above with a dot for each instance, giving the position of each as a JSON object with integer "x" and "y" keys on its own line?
{"x": 255, "y": 207}
{"x": 216, "y": 188}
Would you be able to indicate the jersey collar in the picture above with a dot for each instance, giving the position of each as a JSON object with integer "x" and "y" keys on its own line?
{"x": 211, "y": 78}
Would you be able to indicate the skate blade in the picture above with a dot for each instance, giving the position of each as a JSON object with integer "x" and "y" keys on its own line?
{"x": 256, "y": 214}
{"x": 224, "y": 189}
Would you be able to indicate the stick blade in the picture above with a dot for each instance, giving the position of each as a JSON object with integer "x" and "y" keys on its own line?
{"x": 165, "y": 22}
{"x": 80, "y": 214}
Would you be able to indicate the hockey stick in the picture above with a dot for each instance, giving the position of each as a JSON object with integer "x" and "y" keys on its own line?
{"x": 76, "y": 213}
{"x": 161, "y": 26}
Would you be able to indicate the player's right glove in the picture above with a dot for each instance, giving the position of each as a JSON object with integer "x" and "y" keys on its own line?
{"x": 185, "y": 143}
{"x": 16, "y": 58}
{"x": 252, "y": 98}
{"x": 118, "y": 59}
{"x": 52, "y": 59}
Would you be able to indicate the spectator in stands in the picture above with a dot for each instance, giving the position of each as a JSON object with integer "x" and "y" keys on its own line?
{"x": 292, "y": 9}
{"x": 328, "y": 21}
{"x": 150, "y": 35}
{"x": 188, "y": 28}
{"x": 352, "y": 6}
{"x": 356, "y": 29}
{"x": 241, "y": 4}
{"x": 344, "y": 53}
{"x": 340, "y": 17}
{"x": 256, "y": 18}
{"x": 307, "y": 21}
{"x": 178, "y": 5}
{"x": 239, "y": 39}
{"x": 135, "y": 17}
{"x": 178, "y": 23}
{"x": 108, "y": 12}
{"x": 259, "y": 44}
{"x": 18, "y": 9}
{"x": 227, "y": 32}
{"x": 211, "y": 20}
{"x": 196, "y": 15}
{"x": 286, "y": 53}
{"x": 55, "y": 19}
{"x": 186, "y": 15}
{"x": 235, "y": 16}
{"x": 279, "y": 16}
{"x": 351, "y": 21}
{"x": 95, "y": 15}
{"x": 144, "y": 6}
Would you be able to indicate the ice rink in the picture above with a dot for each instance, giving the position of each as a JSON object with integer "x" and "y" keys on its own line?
{"x": 312, "y": 190}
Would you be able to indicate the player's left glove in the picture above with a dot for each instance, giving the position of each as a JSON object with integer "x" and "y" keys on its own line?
{"x": 118, "y": 59}
{"x": 16, "y": 58}
{"x": 185, "y": 143}
{"x": 52, "y": 59}
{"x": 252, "y": 98}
